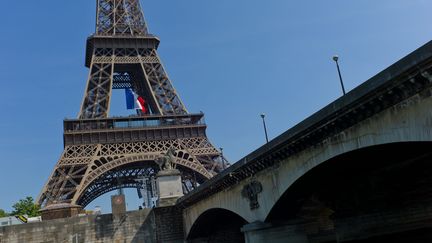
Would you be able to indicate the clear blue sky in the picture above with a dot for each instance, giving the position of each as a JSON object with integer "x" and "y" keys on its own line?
{"x": 230, "y": 59}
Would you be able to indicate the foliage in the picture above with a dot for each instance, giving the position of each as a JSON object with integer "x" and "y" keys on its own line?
{"x": 26, "y": 207}
{"x": 3, "y": 213}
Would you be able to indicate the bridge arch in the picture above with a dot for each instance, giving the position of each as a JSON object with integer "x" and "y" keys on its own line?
{"x": 217, "y": 225}
{"x": 369, "y": 181}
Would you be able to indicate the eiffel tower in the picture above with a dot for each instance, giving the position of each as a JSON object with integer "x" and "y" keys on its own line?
{"x": 103, "y": 153}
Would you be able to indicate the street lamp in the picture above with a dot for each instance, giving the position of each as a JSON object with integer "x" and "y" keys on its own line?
{"x": 336, "y": 58}
{"x": 265, "y": 127}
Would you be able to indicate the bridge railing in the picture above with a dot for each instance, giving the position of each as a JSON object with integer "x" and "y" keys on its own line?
{"x": 132, "y": 122}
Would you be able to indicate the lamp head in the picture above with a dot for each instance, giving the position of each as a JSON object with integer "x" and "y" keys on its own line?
{"x": 335, "y": 58}
{"x": 262, "y": 115}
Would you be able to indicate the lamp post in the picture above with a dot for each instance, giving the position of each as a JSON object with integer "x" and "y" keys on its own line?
{"x": 265, "y": 127}
{"x": 336, "y": 59}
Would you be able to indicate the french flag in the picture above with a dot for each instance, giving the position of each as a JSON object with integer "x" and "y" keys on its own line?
{"x": 134, "y": 101}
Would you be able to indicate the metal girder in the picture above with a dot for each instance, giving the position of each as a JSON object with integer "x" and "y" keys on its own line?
{"x": 82, "y": 166}
{"x": 163, "y": 90}
{"x": 138, "y": 68}
{"x": 116, "y": 179}
{"x": 98, "y": 92}
{"x": 120, "y": 17}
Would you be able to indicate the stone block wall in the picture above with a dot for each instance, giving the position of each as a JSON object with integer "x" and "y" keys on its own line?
{"x": 169, "y": 221}
{"x": 158, "y": 225}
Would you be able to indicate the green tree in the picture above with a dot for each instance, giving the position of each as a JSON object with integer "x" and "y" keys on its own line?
{"x": 3, "y": 213}
{"x": 26, "y": 207}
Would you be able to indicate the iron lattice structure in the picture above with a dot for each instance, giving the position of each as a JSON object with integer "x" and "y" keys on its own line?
{"x": 102, "y": 154}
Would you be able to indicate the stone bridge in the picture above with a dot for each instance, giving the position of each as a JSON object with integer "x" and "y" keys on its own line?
{"x": 359, "y": 169}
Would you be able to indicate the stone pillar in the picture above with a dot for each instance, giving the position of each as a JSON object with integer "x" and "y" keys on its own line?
{"x": 169, "y": 186}
{"x": 118, "y": 205}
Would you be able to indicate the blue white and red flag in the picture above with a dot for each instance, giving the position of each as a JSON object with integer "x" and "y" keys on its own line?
{"x": 134, "y": 101}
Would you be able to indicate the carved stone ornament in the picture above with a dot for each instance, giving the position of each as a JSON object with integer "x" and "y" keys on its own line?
{"x": 250, "y": 192}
